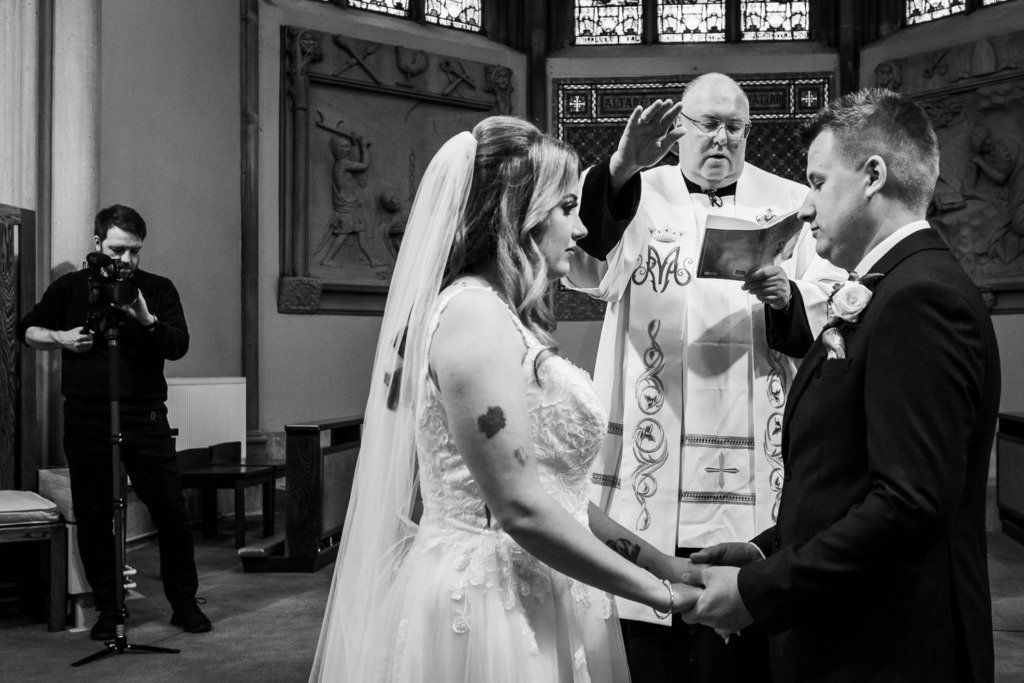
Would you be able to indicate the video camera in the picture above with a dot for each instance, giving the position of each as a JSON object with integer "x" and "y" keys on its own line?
{"x": 109, "y": 285}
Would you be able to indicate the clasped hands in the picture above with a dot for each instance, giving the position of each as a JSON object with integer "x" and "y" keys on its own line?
{"x": 714, "y": 571}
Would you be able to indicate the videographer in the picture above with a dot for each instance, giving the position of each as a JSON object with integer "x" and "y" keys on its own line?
{"x": 72, "y": 316}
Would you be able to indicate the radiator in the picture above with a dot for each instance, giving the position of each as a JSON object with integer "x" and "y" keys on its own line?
{"x": 207, "y": 410}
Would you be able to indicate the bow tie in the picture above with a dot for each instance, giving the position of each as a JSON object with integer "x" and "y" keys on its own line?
{"x": 714, "y": 194}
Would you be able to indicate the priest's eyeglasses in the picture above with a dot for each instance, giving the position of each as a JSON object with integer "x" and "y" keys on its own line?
{"x": 734, "y": 130}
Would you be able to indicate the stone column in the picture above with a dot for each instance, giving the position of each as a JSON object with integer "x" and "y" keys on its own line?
{"x": 74, "y": 172}
{"x": 76, "y": 107}
{"x": 18, "y": 102}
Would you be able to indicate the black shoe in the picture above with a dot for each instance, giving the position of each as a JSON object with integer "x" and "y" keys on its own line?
{"x": 191, "y": 618}
{"x": 105, "y": 627}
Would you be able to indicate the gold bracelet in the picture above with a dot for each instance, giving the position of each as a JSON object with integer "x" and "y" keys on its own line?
{"x": 671, "y": 601}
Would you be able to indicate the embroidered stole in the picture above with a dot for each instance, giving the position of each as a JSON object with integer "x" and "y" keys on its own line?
{"x": 695, "y": 460}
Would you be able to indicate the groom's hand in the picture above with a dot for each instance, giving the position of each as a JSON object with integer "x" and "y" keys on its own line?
{"x": 732, "y": 554}
{"x": 682, "y": 570}
{"x": 770, "y": 285}
{"x": 720, "y": 605}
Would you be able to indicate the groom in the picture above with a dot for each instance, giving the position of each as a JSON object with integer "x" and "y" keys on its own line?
{"x": 876, "y": 568}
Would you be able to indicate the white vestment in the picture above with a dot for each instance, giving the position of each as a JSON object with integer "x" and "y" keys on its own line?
{"x": 695, "y": 397}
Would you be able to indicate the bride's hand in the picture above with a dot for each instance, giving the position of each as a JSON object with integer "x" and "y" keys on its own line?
{"x": 684, "y": 597}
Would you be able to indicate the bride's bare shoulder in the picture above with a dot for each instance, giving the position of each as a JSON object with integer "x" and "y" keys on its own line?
{"x": 474, "y": 322}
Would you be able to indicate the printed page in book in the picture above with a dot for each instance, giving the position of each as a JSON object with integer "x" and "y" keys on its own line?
{"x": 735, "y": 247}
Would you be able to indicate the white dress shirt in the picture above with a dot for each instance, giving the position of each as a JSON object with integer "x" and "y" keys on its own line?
{"x": 883, "y": 247}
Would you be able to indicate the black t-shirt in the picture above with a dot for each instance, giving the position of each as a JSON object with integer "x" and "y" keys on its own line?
{"x": 85, "y": 376}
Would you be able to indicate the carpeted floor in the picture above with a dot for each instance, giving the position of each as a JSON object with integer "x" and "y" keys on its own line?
{"x": 265, "y": 626}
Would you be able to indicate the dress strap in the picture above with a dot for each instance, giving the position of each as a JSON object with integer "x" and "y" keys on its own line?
{"x": 533, "y": 345}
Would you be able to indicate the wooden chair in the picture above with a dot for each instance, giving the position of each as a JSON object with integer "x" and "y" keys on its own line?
{"x": 200, "y": 471}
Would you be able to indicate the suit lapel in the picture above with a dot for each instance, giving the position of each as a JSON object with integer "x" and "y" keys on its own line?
{"x": 922, "y": 240}
{"x": 803, "y": 377}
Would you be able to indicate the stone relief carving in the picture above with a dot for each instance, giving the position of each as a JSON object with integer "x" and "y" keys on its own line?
{"x": 360, "y": 121}
{"x": 306, "y": 50}
{"x": 999, "y": 181}
{"x": 357, "y": 57}
{"x": 936, "y": 64}
{"x": 979, "y": 199}
{"x": 498, "y": 80}
{"x": 887, "y": 75}
{"x": 411, "y": 63}
{"x": 351, "y": 156}
{"x": 391, "y": 217}
{"x": 945, "y": 111}
{"x": 457, "y": 77}
{"x": 974, "y": 95}
{"x": 299, "y": 295}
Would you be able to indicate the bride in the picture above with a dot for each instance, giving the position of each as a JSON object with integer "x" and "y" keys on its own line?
{"x": 507, "y": 575}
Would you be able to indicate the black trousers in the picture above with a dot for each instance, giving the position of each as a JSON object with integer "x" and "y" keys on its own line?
{"x": 685, "y": 653}
{"x": 148, "y": 456}
{"x": 690, "y": 653}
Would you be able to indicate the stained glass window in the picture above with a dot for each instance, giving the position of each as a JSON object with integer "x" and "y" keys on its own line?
{"x": 691, "y": 21}
{"x": 774, "y": 20}
{"x": 607, "y": 22}
{"x": 920, "y": 11}
{"x": 464, "y": 14}
{"x": 398, "y": 8}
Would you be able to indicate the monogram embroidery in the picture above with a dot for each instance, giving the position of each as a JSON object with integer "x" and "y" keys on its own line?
{"x": 660, "y": 272}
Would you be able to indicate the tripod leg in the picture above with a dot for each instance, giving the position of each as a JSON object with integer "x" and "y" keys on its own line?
{"x": 108, "y": 649}
{"x": 147, "y": 649}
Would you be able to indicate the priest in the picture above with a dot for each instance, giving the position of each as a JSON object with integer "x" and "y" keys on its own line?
{"x": 695, "y": 397}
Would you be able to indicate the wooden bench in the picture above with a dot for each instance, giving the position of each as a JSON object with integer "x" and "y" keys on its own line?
{"x": 320, "y": 460}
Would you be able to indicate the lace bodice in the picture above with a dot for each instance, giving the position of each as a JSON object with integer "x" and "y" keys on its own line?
{"x": 472, "y": 595}
{"x": 566, "y": 418}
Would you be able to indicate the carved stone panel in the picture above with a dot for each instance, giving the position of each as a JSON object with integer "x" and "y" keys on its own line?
{"x": 974, "y": 95}
{"x": 360, "y": 123}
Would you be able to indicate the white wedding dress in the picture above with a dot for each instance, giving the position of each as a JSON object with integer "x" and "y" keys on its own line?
{"x": 468, "y": 603}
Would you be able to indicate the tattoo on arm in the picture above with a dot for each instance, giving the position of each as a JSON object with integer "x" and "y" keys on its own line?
{"x": 491, "y": 422}
{"x": 626, "y": 548}
{"x": 519, "y": 456}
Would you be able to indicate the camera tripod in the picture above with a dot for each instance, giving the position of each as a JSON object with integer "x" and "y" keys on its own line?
{"x": 119, "y": 645}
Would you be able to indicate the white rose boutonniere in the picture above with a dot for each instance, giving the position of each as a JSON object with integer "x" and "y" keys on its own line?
{"x": 844, "y": 305}
{"x": 850, "y": 300}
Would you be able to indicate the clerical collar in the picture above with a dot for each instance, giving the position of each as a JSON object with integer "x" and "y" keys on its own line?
{"x": 714, "y": 194}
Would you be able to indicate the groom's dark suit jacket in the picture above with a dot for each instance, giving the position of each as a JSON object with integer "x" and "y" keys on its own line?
{"x": 876, "y": 569}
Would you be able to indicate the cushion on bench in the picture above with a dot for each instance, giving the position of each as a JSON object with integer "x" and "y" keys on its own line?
{"x": 26, "y": 507}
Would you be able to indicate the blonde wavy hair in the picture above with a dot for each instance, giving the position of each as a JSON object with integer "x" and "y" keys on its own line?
{"x": 519, "y": 175}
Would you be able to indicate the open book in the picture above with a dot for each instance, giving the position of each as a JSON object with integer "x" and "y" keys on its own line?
{"x": 735, "y": 247}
